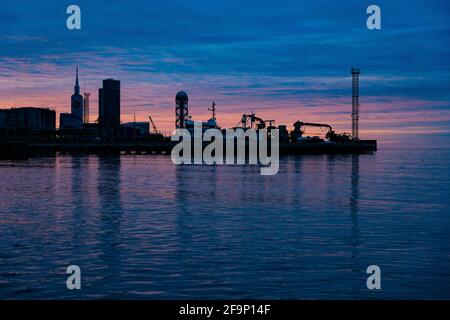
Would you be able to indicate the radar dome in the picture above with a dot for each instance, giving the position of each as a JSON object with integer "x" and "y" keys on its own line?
{"x": 182, "y": 96}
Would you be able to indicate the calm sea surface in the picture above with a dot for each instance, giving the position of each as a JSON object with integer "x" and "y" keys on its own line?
{"x": 141, "y": 227}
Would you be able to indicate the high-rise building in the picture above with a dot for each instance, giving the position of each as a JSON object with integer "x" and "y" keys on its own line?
{"x": 74, "y": 119}
{"x": 77, "y": 102}
{"x": 109, "y": 108}
{"x": 100, "y": 105}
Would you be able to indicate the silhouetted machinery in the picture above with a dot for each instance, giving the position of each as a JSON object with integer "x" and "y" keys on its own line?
{"x": 331, "y": 135}
{"x": 251, "y": 121}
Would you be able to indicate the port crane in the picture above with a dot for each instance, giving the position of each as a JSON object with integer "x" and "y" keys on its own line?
{"x": 153, "y": 125}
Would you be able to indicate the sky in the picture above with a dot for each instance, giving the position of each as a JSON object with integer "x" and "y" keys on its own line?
{"x": 283, "y": 60}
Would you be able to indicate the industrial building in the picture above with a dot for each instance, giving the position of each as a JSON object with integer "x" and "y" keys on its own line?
{"x": 135, "y": 129}
{"x": 2, "y": 118}
{"x": 68, "y": 121}
{"x": 109, "y": 109}
{"x": 28, "y": 118}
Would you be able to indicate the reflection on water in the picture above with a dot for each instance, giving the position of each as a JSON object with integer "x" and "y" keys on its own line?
{"x": 354, "y": 214}
{"x": 140, "y": 227}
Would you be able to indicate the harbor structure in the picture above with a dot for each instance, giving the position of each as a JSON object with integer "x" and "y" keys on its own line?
{"x": 181, "y": 109}
{"x": 107, "y": 135}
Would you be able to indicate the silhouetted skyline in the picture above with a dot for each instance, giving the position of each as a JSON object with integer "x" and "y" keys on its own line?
{"x": 284, "y": 61}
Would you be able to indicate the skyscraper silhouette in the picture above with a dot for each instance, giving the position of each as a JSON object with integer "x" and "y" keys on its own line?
{"x": 77, "y": 102}
{"x": 109, "y": 109}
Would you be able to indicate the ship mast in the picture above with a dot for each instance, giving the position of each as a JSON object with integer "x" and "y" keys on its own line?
{"x": 213, "y": 110}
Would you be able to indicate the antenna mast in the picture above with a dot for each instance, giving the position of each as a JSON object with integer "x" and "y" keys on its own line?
{"x": 85, "y": 104}
{"x": 213, "y": 109}
{"x": 355, "y": 103}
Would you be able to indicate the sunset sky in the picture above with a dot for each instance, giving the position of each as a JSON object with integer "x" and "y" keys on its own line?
{"x": 284, "y": 60}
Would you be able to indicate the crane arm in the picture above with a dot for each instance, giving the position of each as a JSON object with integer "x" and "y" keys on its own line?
{"x": 253, "y": 118}
{"x": 153, "y": 124}
{"x": 311, "y": 124}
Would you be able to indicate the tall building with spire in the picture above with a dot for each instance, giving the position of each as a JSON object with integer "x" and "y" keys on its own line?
{"x": 77, "y": 101}
{"x": 74, "y": 119}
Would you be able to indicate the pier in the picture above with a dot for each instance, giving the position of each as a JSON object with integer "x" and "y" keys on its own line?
{"x": 12, "y": 150}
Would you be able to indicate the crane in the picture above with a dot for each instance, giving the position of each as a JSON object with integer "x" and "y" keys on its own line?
{"x": 153, "y": 125}
{"x": 252, "y": 118}
{"x": 331, "y": 135}
{"x": 299, "y": 125}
